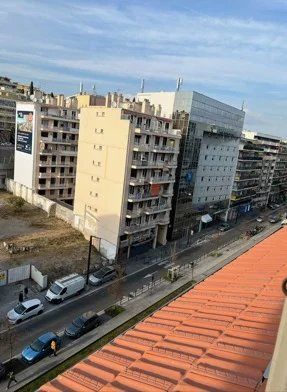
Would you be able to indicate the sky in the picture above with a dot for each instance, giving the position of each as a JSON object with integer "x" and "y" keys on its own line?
{"x": 230, "y": 50}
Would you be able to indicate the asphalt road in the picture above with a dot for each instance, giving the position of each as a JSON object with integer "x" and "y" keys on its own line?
{"x": 56, "y": 320}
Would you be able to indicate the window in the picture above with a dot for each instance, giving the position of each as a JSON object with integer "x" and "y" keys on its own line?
{"x": 205, "y": 157}
{"x": 201, "y": 178}
{"x": 207, "y": 188}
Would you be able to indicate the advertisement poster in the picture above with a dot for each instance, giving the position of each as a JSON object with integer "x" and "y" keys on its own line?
{"x": 24, "y": 122}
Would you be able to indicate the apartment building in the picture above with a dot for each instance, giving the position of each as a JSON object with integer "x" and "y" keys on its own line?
{"x": 278, "y": 191}
{"x": 246, "y": 187}
{"x": 271, "y": 144}
{"x": 8, "y": 96}
{"x": 211, "y": 133}
{"x": 46, "y": 146}
{"x": 125, "y": 174}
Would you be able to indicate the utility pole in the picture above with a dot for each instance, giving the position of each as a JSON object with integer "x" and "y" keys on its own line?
{"x": 89, "y": 256}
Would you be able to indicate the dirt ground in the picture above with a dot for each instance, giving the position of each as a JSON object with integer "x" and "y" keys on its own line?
{"x": 55, "y": 247}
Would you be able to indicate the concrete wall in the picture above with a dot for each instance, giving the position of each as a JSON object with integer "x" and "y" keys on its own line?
{"x": 30, "y": 196}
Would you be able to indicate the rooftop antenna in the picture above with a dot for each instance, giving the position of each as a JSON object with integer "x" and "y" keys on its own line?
{"x": 81, "y": 88}
{"x": 243, "y": 105}
{"x": 179, "y": 83}
{"x": 142, "y": 85}
{"x": 94, "y": 88}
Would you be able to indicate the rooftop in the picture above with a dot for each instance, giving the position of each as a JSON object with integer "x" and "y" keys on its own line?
{"x": 219, "y": 336}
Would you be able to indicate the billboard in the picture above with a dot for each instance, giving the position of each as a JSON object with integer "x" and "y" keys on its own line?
{"x": 24, "y": 126}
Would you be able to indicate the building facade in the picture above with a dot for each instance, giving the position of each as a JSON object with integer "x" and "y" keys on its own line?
{"x": 9, "y": 94}
{"x": 268, "y": 190}
{"x": 126, "y": 170}
{"x": 211, "y": 132}
{"x": 46, "y": 147}
{"x": 246, "y": 187}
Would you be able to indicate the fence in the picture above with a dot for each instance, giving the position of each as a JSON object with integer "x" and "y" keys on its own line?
{"x": 23, "y": 272}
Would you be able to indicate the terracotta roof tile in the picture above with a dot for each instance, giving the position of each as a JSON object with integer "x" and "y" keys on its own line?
{"x": 217, "y": 337}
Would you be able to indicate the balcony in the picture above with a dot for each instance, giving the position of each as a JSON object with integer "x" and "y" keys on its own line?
{"x": 58, "y": 141}
{"x": 167, "y": 193}
{"x": 47, "y": 151}
{"x": 158, "y": 131}
{"x": 240, "y": 187}
{"x": 138, "y": 163}
{"x": 135, "y": 213}
{"x": 60, "y": 116}
{"x": 157, "y": 209}
{"x": 55, "y": 186}
{"x": 243, "y": 177}
{"x": 138, "y": 181}
{"x": 67, "y": 152}
{"x": 134, "y": 197}
{"x": 161, "y": 179}
{"x": 55, "y": 164}
{"x": 135, "y": 227}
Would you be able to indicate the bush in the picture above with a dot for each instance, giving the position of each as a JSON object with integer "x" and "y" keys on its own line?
{"x": 16, "y": 202}
{"x": 114, "y": 310}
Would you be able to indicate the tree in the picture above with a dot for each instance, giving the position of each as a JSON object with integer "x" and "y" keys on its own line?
{"x": 31, "y": 88}
{"x": 16, "y": 202}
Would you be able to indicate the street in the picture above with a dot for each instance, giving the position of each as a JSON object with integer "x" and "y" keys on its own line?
{"x": 61, "y": 315}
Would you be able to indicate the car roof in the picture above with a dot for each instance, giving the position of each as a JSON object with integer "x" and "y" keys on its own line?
{"x": 47, "y": 336}
{"x": 31, "y": 302}
{"x": 88, "y": 315}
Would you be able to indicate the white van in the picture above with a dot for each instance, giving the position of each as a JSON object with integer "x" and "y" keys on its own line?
{"x": 65, "y": 287}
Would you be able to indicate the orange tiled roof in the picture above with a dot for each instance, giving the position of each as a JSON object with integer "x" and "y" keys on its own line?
{"x": 219, "y": 336}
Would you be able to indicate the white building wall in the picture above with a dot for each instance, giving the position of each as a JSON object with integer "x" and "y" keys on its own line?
{"x": 216, "y": 169}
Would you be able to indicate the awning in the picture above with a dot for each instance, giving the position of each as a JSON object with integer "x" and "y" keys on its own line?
{"x": 206, "y": 218}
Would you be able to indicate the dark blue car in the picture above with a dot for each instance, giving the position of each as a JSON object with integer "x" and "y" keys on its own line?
{"x": 40, "y": 348}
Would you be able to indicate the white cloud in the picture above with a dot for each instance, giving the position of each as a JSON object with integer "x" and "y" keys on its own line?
{"x": 126, "y": 42}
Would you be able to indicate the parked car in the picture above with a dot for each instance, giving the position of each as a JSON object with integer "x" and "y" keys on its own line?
{"x": 65, "y": 287}
{"x": 3, "y": 371}
{"x": 25, "y": 310}
{"x": 102, "y": 276}
{"x": 284, "y": 222}
{"x": 224, "y": 227}
{"x": 259, "y": 219}
{"x": 274, "y": 219}
{"x": 83, "y": 324}
{"x": 40, "y": 348}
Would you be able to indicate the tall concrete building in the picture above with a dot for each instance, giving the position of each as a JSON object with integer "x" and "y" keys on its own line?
{"x": 246, "y": 191}
{"x": 125, "y": 174}
{"x": 211, "y": 132}
{"x": 268, "y": 189}
{"x": 46, "y": 147}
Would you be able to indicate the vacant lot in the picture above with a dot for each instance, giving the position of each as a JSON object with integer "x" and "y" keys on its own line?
{"x": 55, "y": 247}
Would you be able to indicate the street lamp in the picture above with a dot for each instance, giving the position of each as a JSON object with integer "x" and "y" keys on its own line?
{"x": 89, "y": 255}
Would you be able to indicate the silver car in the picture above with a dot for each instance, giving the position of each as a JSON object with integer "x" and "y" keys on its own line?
{"x": 103, "y": 275}
{"x": 25, "y": 310}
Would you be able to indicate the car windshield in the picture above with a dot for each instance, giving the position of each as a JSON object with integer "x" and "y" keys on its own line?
{"x": 79, "y": 322}
{"x": 55, "y": 289}
{"x": 19, "y": 309}
{"x": 37, "y": 345}
{"x": 101, "y": 273}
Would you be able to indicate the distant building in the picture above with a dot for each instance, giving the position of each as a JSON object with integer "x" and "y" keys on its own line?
{"x": 85, "y": 100}
{"x": 125, "y": 174}
{"x": 211, "y": 132}
{"x": 46, "y": 146}
{"x": 6, "y": 163}
{"x": 8, "y": 96}
{"x": 246, "y": 190}
{"x": 274, "y": 167}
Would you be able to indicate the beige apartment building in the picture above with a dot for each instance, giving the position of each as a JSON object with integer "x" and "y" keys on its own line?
{"x": 46, "y": 146}
{"x": 127, "y": 159}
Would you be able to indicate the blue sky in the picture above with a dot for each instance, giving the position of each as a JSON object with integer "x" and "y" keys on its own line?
{"x": 229, "y": 49}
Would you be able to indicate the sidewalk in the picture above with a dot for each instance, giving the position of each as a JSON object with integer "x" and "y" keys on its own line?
{"x": 201, "y": 270}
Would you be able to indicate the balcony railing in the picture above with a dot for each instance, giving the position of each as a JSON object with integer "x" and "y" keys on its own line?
{"x": 156, "y": 209}
{"x": 141, "y": 196}
{"x": 158, "y": 130}
{"x": 161, "y": 179}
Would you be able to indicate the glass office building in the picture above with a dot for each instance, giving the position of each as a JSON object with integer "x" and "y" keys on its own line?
{"x": 207, "y": 160}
